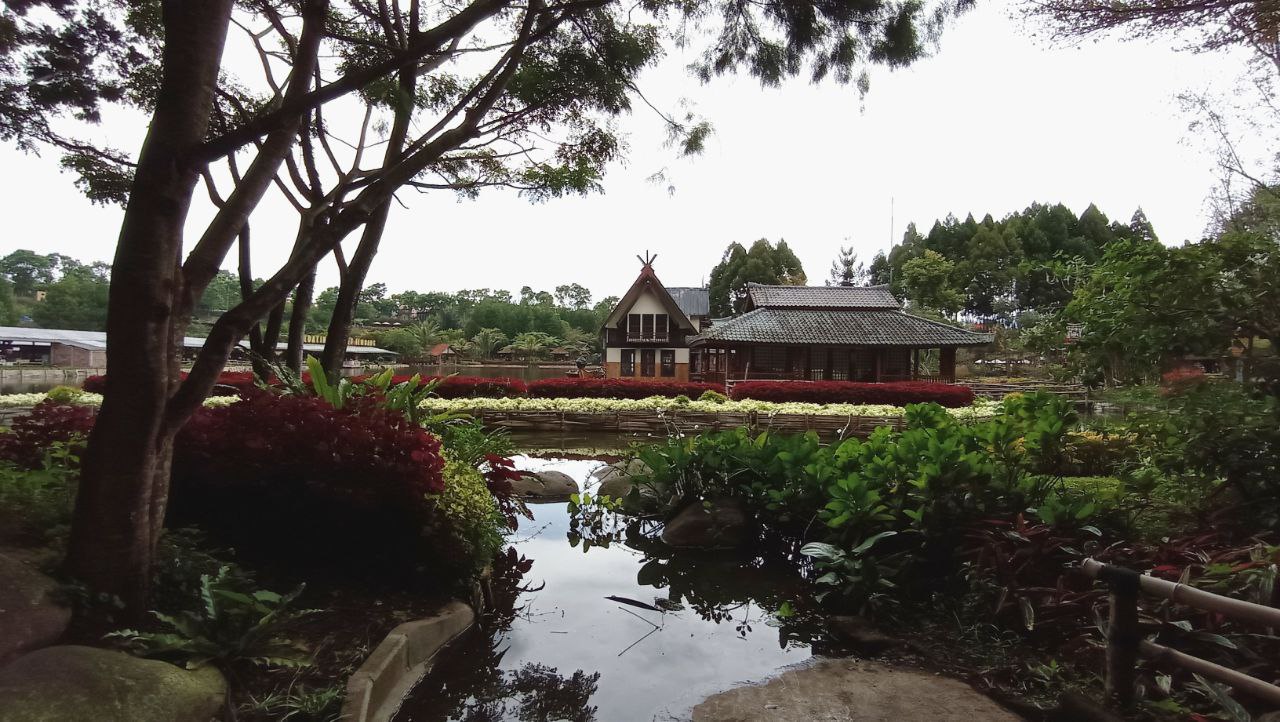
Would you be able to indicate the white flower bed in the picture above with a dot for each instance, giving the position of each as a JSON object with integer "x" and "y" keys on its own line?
{"x": 10, "y": 401}
{"x": 981, "y": 408}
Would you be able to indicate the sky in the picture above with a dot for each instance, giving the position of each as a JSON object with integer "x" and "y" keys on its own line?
{"x": 996, "y": 119}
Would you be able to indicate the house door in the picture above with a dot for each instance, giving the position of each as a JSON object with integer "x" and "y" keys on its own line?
{"x": 647, "y": 362}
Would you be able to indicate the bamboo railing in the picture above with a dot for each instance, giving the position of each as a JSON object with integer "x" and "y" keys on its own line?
{"x": 1125, "y": 643}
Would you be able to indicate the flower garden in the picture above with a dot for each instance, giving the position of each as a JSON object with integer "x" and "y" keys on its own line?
{"x": 963, "y": 523}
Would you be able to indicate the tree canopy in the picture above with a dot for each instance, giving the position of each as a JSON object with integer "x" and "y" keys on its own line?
{"x": 763, "y": 263}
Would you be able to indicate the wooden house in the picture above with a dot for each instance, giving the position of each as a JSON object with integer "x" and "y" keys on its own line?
{"x": 825, "y": 333}
{"x": 646, "y": 336}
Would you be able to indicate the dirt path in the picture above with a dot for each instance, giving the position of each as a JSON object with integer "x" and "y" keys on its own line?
{"x": 850, "y": 689}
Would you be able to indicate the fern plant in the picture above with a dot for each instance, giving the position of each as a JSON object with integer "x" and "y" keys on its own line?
{"x": 230, "y": 625}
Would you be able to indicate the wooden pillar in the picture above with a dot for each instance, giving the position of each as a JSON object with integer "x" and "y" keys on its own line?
{"x": 826, "y": 371}
{"x": 1123, "y": 634}
{"x": 876, "y": 363}
{"x": 915, "y": 364}
{"x": 947, "y": 364}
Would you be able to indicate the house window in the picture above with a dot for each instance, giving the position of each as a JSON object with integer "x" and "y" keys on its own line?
{"x": 628, "y": 362}
{"x": 668, "y": 362}
{"x": 647, "y": 356}
{"x": 647, "y": 327}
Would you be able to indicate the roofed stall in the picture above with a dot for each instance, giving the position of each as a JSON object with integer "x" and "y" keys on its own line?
{"x": 826, "y": 333}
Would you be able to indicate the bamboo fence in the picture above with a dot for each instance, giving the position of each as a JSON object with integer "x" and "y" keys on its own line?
{"x": 659, "y": 422}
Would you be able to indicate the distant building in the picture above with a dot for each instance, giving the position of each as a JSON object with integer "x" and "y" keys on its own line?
{"x": 647, "y": 333}
{"x": 88, "y": 349}
{"x": 442, "y": 353}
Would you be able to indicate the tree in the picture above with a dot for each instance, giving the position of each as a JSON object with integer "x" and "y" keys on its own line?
{"x": 763, "y": 263}
{"x": 487, "y": 341}
{"x": 400, "y": 340}
{"x": 573, "y": 295}
{"x": 927, "y": 281}
{"x": 880, "y": 273}
{"x": 77, "y": 301}
{"x": 28, "y": 270}
{"x": 532, "y": 344}
{"x": 571, "y": 64}
{"x": 846, "y": 270}
{"x": 427, "y": 332}
{"x": 8, "y": 306}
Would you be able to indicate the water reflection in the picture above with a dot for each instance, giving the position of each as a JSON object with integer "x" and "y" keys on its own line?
{"x": 627, "y": 631}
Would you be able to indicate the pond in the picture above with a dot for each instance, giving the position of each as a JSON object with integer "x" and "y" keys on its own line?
{"x": 524, "y": 372}
{"x": 575, "y": 644}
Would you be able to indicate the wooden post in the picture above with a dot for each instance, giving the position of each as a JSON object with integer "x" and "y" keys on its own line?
{"x": 915, "y": 364}
{"x": 875, "y": 365}
{"x": 1123, "y": 635}
{"x": 947, "y": 364}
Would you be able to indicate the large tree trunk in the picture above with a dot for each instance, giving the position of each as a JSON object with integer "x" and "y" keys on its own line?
{"x": 258, "y": 353}
{"x": 352, "y": 282}
{"x": 129, "y": 452}
{"x": 295, "y": 353}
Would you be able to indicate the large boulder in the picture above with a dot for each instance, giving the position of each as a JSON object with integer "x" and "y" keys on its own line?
{"x": 87, "y": 684}
{"x": 720, "y": 524}
{"x": 615, "y": 479}
{"x": 31, "y": 616}
{"x": 539, "y": 486}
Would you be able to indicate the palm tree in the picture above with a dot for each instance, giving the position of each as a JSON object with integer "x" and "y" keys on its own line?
{"x": 488, "y": 340}
{"x": 532, "y": 344}
{"x": 426, "y": 331}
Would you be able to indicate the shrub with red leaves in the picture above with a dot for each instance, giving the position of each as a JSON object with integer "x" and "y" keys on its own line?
{"x": 305, "y": 480}
{"x": 458, "y": 387}
{"x": 230, "y": 383}
{"x": 1181, "y": 380}
{"x": 47, "y": 424}
{"x": 588, "y": 388}
{"x": 499, "y": 472}
{"x": 896, "y": 393}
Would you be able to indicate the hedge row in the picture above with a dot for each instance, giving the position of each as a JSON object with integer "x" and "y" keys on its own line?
{"x": 571, "y": 388}
{"x": 898, "y": 393}
{"x": 230, "y": 383}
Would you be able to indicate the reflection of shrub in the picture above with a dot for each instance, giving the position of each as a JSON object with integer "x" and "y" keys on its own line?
{"x": 848, "y": 392}
{"x": 48, "y": 424}
{"x": 615, "y": 388}
{"x": 295, "y": 474}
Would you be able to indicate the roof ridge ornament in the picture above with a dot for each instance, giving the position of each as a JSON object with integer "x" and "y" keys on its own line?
{"x": 647, "y": 259}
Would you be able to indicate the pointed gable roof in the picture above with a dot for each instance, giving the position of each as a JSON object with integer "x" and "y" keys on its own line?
{"x": 648, "y": 281}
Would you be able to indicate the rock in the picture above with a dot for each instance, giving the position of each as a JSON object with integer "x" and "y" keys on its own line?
{"x": 87, "y": 684}
{"x": 545, "y": 485}
{"x": 830, "y": 690}
{"x": 724, "y": 523}
{"x": 861, "y": 635}
{"x": 30, "y": 615}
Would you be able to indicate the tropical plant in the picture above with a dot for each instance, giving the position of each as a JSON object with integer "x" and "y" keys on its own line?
{"x": 857, "y": 576}
{"x": 231, "y": 624}
{"x": 488, "y": 340}
{"x": 532, "y": 344}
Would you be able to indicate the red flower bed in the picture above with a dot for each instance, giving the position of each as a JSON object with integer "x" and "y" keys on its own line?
{"x": 48, "y": 423}
{"x": 896, "y": 393}
{"x": 230, "y": 383}
{"x": 306, "y": 481}
{"x": 458, "y": 387}
{"x": 568, "y": 388}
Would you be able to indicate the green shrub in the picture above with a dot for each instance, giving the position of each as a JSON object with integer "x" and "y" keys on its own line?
{"x": 468, "y": 529}
{"x": 64, "y": 394}
{"x": 714, "y": 397}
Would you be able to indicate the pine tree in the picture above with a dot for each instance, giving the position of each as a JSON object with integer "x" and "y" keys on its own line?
{"x": 846, "y": 270}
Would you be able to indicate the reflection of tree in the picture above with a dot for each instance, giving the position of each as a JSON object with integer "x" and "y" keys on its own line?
{"x": 545, "y": 695}
{"x": 467, "y": 682}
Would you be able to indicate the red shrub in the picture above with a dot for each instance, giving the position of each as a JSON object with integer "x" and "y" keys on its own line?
{"x": 570, "y": 388}
{"x": 896, "y": 393}
{"x": 48, "y": 423}
{"x": 1180, "y": 380}
{"x": 297, "y": 477}
{"x": 230, "y": 383}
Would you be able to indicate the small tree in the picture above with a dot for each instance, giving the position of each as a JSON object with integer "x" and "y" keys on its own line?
{"x": 846, "y": 270}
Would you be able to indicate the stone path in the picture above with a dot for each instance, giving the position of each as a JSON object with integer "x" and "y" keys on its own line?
{"x": 851, "y": 690}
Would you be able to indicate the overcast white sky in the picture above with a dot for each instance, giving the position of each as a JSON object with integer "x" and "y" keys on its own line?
{"x": 994, "y": 121}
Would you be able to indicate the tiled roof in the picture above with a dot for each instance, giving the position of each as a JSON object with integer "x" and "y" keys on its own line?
{"x": 821, "y": 296}
{"x": 692, "y": 300}
{"x": 840, "y": 328}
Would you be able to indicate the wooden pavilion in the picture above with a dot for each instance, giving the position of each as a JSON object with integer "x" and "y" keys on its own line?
{"x": 825, "y": 333}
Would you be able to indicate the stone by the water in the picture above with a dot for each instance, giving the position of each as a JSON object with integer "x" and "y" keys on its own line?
{"x": 721, "y": 524}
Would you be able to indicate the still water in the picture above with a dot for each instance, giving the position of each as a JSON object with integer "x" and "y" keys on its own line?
{"x": 565, "y": 651}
